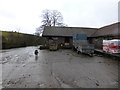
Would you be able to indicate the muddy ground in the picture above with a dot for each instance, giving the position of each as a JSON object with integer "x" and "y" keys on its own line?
{"x": 56, "y": 69}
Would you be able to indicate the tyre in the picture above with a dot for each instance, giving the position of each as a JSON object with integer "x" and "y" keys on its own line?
{"x": 91, "y": 55}
{"x": 78, "y": 52}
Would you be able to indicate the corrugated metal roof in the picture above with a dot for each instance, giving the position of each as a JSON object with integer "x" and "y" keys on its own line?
{"x": 108, "y": 30}
{"x": 67, "y": 31}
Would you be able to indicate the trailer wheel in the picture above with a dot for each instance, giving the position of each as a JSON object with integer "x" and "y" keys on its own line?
{"x": 78, "y": 52}
{"x": 91, "y": 55}
{"x": 73, "y": 48}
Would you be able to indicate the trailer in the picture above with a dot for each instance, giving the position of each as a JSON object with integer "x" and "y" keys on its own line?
{"x": 81, "y": 44}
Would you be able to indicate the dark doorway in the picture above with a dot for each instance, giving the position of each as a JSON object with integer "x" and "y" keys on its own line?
{"x": 67, "y": 40}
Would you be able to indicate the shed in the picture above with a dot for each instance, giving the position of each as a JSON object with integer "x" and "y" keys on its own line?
{"x": 105, "y": 33}
{"x": 64, "y": 34}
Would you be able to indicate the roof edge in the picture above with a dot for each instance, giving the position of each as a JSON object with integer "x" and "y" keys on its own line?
{"x": 72, "y": 27}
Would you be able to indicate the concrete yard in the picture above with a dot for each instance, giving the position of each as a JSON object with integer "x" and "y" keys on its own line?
{"x": 56, "y": 69}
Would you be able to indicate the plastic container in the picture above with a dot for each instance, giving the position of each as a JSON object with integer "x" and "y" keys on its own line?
{"x": 80, "y": 37}
{"x": 111, "y": 46}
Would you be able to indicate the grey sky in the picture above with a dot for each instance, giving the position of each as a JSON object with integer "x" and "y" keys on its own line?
{"x": 24, "y": 15}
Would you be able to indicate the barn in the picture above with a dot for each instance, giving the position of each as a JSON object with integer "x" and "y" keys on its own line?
{"x": 63, "y": 35}
{"x": 105, "y": 33}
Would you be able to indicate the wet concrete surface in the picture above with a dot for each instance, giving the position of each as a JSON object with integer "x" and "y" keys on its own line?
{"x": 56, "y": 69}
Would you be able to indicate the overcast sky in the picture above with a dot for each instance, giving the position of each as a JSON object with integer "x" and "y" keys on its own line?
{"x": 24, "y": 15}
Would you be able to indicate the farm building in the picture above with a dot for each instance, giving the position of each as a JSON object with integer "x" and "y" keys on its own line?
{"x": 105, "y": 33}
{"x": 63, "y": 35}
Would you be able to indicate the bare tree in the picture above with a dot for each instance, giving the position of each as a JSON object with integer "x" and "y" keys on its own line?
{"x": 46, "y": 15}
{"x": 39, "y": 30}
{"x": 57, "y": 18}
{"x": 50, "y": 18}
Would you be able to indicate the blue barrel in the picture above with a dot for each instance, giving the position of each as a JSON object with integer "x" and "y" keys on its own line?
{"x": 80, "y": 37}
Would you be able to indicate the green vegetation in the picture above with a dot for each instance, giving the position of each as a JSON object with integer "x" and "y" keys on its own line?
{"x": 15, "y": 39}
